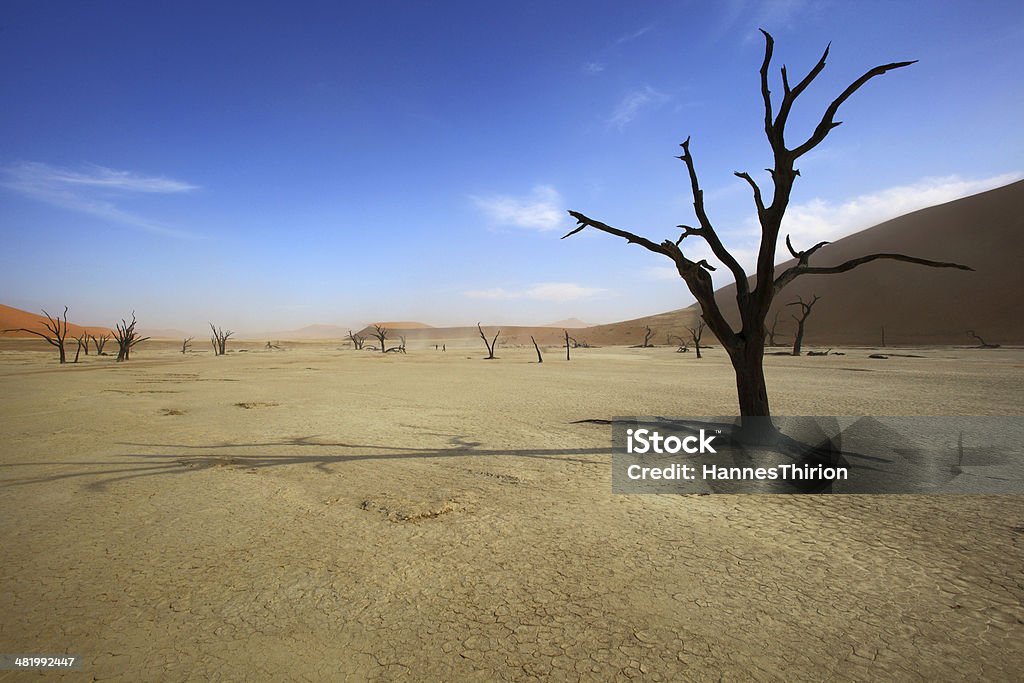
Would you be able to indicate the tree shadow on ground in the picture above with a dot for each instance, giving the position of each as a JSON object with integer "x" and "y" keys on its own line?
{"x": 187, "y": 458}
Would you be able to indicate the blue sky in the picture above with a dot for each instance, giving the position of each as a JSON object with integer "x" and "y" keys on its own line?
{"x": 272, "y": 165}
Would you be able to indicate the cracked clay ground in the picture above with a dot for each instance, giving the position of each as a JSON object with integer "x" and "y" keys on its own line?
{"x": 315, "y": 514}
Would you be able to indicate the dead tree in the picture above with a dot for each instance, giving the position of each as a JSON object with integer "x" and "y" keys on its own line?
{"x": 801, "y": 320}
{"x": 754, "y": 297}
{"x": 695, "y": 334}
{"x": 126, "y": 338}
{"x": 683, "y": 346}
{"x": 186, "y": 344}
{"x": 357, "y": 340}
{"x": 83, "y": 343}
{"x": 490, "y": 345}
{"x": 55, "y": 334}
{"x": 771, "y": 330}
{"x": 381, "y": 333}
{"x": 648, "y": 333}
{"x": 400, "y": 348}
{"x": 99, "y": 342}
{"x": 566, "y": 344}
{"x": 982, "y": 344}
{"x": 219, "y": 339}
{"x": 540, "y": 358}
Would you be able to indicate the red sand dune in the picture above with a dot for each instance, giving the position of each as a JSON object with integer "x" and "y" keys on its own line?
{"x": 14, "y": 318}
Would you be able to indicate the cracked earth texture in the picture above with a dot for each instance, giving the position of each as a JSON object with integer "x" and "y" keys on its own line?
{"x": 316, "y": 514}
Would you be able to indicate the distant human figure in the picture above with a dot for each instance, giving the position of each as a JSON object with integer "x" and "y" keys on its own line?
{"x": 443, "y": 347}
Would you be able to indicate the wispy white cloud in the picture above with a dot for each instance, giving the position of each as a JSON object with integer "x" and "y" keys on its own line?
{"x": 632, "y": 103}
{"x": 99, "y": 177}
{"x": 542, "y": 209}
{"x": 90, "y": 190}
{"x": 818, "y": 219}
{"x": 593, "y": 67}
{"x": 557, "y": 292}
{"x": 633, "y": 35}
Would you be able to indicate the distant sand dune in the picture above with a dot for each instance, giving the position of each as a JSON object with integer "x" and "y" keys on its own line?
{"x": 14, "y": 318}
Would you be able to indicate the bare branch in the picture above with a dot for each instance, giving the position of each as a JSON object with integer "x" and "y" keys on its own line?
{"x": 790, "y": 95}
{"x": 804, "y": 255}
{"x": 758, "y": 201}
{"x": 585, "y": 222}
{"x": 827, "y": 122}
{"x": 802, "y": 269}
{"x": 707, "y": 231}
{"x": 766, "y": 94}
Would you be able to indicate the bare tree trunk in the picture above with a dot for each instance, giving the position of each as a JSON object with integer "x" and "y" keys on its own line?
{"x": 566, "y": 344}
{"x": 540, "y": 358}
{"x": 805, "y": 312}
{"x": 490, "y": 345}
{"x": 696, "y": 333}
{"x": 381, "y": 333}
{"x": 648, "y": 333}
{"x": 752, "y": 391}
{"x": 185, "y": 344}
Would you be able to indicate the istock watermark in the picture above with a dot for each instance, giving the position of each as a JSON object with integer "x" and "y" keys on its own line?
{"x": 952, "y": 454}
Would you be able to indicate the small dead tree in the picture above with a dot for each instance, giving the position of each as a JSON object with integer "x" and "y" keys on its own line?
{"x": 771, "y": 330}
{"x": 801, "y": 320}
{"x": 540, "y": 358}
{"x": 648, "y": 333}
{"x": 400, "y": 348}
{"x": 381, "y": 333}
{"x": 99, "y": 342}
{"x": 982, "y": 344}
{"x": 55, "y": 334}
{"x": 683, "y": 346}
{"x": 186, "y": 344}
{"x": 566, "y": 332}
{"x": 489, "y": 344}
{"x": 754, "y": 295}
{"x": 695, "y": 334}
{"x": 219, "y": 339}
{"x": 357, "y": 340}
{"x": 126, "y": 338}
{"x": 83, "y": 343}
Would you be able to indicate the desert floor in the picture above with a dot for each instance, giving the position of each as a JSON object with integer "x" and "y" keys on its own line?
{"x": 324, "y": 514}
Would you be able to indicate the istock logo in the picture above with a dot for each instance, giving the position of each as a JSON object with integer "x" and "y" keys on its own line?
{"x": 647, "y": 441}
